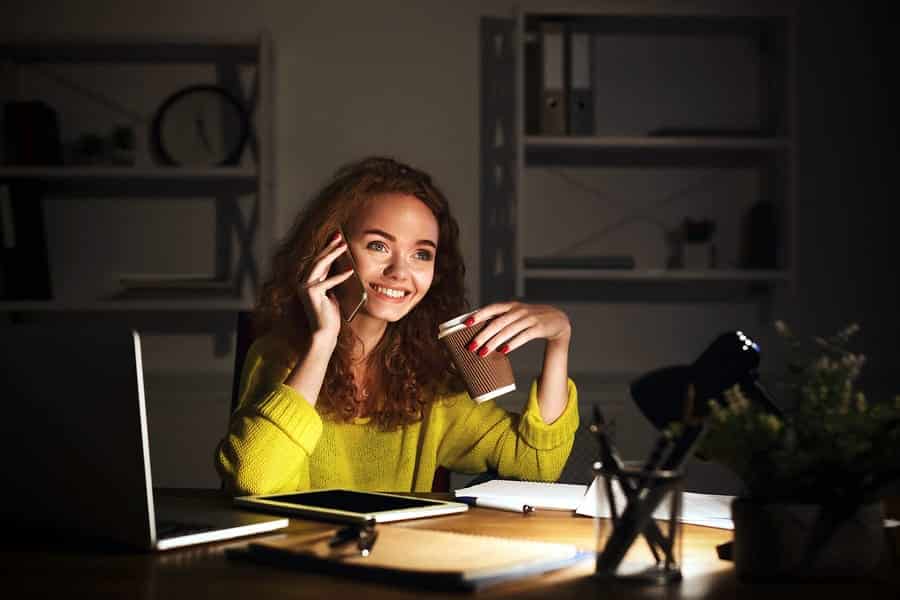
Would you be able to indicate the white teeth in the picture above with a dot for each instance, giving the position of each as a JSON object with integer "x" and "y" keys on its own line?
{"x": 390, "y": 292}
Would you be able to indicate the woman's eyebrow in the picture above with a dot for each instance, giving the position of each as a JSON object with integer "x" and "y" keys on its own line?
{"x": 390, "y": 237}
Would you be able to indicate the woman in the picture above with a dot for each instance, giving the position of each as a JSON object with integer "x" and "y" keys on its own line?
{"x": 376, "y": 403}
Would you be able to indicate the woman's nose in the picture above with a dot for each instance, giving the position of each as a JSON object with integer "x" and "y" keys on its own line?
{"x": 396, "y": 268}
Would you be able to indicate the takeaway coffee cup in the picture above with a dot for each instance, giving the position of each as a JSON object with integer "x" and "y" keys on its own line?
{"x": 486, "y": 377}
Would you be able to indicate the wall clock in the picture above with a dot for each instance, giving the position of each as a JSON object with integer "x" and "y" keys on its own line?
{"x": 200, "y": 125}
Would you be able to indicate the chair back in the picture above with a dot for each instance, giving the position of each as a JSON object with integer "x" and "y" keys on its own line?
{"x": 244, "y": 336}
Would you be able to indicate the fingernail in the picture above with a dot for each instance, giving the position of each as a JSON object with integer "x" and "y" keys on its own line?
{"x": 483, "y": 352}
{"x": 504, "y": 348}
{"x": 470, "y": 321}
{"x": 471, "y": 347}
{"x": 336, "y": 236}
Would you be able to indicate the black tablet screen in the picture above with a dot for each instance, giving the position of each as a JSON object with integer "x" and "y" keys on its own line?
{"x": 351, "y": 501}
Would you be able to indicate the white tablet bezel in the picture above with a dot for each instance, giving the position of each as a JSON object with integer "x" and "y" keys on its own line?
{"x": 269, "y": 502}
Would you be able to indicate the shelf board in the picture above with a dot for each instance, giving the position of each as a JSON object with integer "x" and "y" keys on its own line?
{"x": 662, "y": 275}
{"x": 76, "y": 174}
{"x": 632, "y": 11}
{"x": 138, "y": 181}
{"x": 124, "y": 49}
{"x": 674, "y": 143}
{"x": 653, "y": 151}
{"x": 207, "y": 305}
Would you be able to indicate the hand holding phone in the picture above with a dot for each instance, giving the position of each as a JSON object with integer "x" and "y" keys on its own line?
{"x": 317, "y": 291}
{"x": 351, "y": 293}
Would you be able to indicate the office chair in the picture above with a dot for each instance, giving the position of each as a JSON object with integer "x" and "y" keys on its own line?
{"x": 244, "y": 339}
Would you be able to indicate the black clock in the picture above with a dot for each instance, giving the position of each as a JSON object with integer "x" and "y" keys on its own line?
{"x": 200, "y": 125}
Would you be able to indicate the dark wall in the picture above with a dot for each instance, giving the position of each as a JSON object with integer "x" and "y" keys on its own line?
{"x": 847, "y": 180}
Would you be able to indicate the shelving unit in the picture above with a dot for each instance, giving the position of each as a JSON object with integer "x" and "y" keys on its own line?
{"x": 511, "y": 151}
{"x": 241, "y": 231}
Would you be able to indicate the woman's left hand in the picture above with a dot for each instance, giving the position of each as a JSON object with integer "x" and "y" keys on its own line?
{"x": 513, "y": 324}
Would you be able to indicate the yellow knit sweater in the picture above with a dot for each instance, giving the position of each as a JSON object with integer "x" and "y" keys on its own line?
{"x": 277, "y": 442}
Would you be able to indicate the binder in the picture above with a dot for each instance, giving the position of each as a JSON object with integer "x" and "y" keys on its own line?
{"x": 553, "y": 92}
{"x": 24, "y": 262}
{"x": 31, "y": 136}
{"x": 581, "y": 96}
{"x": 533, "y": 85}
{"x": 417, "y": 557}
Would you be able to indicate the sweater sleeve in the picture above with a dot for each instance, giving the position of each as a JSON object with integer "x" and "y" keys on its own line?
{"x": 273, "y": 431}
{"x": 484, "y": 437}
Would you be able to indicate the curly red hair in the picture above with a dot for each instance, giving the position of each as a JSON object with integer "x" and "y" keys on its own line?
{"x": 409, "y": 363}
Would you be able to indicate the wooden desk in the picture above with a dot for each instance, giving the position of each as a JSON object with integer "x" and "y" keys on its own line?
{"x": 42, "y": 569}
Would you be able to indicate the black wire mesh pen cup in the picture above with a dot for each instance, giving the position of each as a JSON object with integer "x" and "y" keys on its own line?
{"x": 639, "y": 529}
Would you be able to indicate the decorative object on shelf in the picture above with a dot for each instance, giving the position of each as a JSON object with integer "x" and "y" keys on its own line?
{"x": 813, "y": 477}
{"x": 200, "y": 125}
{"x": 759, "y": 245}
{"x": 698, "y": 251}
{"x": 31, "y": 134}
{"x": 86, "y": 149}
{"x": 122, "y": 145}
{"x": 93, "y": 149}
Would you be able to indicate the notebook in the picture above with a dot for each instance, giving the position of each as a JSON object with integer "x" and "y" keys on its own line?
{"x": 74, "y": 441}
{"x": 417, "y": 557}
{"x": 539, "y": 494}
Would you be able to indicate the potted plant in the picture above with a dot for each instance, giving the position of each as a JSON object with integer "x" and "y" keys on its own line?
{"x": 813, "y": 476}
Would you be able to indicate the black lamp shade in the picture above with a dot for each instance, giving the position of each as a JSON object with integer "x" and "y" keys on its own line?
{"x": 731, "y": 359}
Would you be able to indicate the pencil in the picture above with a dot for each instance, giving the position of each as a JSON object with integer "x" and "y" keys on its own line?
{"x": 510, "y": 505}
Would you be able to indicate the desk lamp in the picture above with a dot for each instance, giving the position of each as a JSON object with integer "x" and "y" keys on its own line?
{"x": 731, "y": 359}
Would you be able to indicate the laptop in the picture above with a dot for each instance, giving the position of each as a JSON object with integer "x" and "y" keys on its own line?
{"x": 75, "y": 445}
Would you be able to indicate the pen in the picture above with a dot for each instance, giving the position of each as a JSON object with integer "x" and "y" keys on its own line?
{"x": 610, "y": 457}
{"x": 498, "y": 504}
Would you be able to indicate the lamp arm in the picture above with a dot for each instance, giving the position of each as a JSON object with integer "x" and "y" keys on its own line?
{"x": 763, "y": 396}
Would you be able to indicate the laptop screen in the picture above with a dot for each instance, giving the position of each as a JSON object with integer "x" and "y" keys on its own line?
{"x": 75, "y": 418}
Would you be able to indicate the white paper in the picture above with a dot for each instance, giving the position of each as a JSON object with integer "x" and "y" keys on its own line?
{"x": 711, "y": 510}
{"x": 556, "y": 496}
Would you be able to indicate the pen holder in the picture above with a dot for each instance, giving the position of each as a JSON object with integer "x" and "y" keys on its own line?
{"x": 635, "y": 503}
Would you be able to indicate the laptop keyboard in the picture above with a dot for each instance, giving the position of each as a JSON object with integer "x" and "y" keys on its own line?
{"x": 170, "y": 529}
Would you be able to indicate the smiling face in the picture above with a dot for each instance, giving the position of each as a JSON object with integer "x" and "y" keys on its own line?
{"x": 394, "y": 242}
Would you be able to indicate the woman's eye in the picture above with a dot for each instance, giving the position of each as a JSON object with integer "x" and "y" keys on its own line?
{"x": 377, "y": 246}
{"x": 424, "y": 255}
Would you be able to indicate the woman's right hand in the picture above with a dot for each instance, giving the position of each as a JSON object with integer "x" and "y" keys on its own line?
{"x": 319, "y": 303}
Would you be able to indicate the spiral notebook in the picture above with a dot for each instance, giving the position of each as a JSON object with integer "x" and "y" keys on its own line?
{"x": 418, "y": 557}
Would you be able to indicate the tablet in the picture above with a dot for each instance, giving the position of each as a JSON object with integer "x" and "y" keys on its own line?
{"x": 352, "y": 505}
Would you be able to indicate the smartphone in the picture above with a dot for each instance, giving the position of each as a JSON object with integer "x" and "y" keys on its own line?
{"x": 353, "y": 290}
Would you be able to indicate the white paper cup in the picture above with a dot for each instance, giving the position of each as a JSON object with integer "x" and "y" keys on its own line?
{"x": 454, "y": 322}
